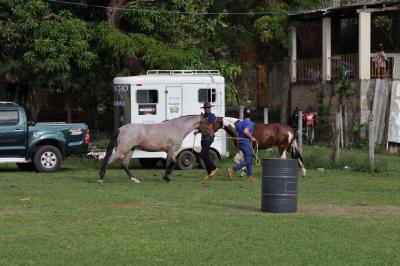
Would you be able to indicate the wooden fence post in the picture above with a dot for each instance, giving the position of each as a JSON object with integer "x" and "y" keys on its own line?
{"x": 265, "y": 115}
{"x": 371, "y": 142}
{"x": 241, "y": 111}
{"x": 346, "y": 127}
{"x": 336, "y": 155}
{"x": 300, "y": 131}
{"x": 341, "y": 127}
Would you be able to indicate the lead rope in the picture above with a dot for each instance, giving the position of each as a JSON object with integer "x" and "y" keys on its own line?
{"x": 255, "y": 151}
{"x": 194, "y": 140}
{"x": 258, "y": 160}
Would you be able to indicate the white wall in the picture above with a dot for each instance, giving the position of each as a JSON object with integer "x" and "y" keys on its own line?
{"x": 364, "y": 45}
{"x": 293, "y": 53}
{"x": 326, "y": 48}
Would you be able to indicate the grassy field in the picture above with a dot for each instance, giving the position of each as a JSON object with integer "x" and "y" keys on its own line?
{"x": 66, "y": 218}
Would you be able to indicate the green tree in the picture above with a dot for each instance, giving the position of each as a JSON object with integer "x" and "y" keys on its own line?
{"x": 72, "y": 48}
{"x": 18, "y": 24}
{"x": 61, "y": 52}
{"x": 169, "y": 39}
{"x": 273, "y": 27}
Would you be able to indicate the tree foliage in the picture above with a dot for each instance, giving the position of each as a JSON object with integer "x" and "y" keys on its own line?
{"x": 73, "y": 48}
{"x": 273, "y": 27}
{"x": 18, "y": 24}
{"x": 60, "y": 52}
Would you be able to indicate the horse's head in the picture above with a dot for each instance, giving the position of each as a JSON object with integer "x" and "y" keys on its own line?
{"x": 227, "y": 123}
{"x": 219, "y": 123}
{"x": 205, "y": 127}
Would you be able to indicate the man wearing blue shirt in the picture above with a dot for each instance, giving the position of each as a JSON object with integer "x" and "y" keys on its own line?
{"x": 245, "y": 130}
{"x": 206, "y": 141}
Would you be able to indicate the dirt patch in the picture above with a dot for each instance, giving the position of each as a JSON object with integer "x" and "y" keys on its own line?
{"x": 9, "y": 211}
{"x": 349, "y": 211}
{"x": 129, "y": 205}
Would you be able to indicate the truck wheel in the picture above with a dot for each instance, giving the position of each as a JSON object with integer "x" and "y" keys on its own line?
{"x": 213, "y": 157}
{"x": 26, "y": 166}
{"x": 148, "y": 163}
{"x": 185, "y": 160}
{"x": 47, "y": 159}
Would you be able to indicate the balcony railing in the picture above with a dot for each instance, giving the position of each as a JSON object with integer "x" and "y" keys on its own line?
{"x": 343, "y": 66}
{"x": 309, "y": 69}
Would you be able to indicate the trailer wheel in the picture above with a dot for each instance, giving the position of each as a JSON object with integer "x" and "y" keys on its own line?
{"x": 186, "y": 160}
{"x": 148, "y": 163}
{"x": 213, "y": 157}
{"x": 47, "y": 159}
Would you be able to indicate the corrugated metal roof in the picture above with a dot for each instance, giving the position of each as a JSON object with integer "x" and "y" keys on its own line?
{"x": 316, "y": 13}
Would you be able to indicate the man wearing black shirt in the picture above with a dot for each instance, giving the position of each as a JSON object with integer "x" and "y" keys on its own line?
{"x": 206, "y": 141}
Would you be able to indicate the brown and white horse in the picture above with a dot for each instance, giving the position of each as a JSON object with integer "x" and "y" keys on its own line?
{"x": 267, "y": 135}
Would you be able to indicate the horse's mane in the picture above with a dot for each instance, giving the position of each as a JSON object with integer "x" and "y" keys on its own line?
{"x": 178, "y": 118}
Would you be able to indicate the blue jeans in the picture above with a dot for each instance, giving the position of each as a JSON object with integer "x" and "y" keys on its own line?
{"x": 248, "y": 159}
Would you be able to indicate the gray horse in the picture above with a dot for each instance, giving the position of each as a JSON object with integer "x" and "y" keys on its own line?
{"x": 165, "y": 136}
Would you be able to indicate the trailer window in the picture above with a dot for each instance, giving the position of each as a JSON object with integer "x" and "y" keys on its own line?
{"x": 147, "y": 96}
{"x": 8, "y": 117}
{"x": 207, "y": 95}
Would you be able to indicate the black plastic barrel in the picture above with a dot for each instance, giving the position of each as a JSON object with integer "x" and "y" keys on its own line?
{"x": 279, "y": 185}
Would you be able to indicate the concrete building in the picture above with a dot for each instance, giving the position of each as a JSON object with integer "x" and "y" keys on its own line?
{"x": 328, "y": 46}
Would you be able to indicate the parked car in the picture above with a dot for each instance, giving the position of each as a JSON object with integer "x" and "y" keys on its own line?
{"x": 40, "y": 146}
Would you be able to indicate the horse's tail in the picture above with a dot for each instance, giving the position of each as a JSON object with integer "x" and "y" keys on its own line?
{"x": 296, "y": 155}
{"x": 295, "y": 151}
{"x": 110, "y": 147}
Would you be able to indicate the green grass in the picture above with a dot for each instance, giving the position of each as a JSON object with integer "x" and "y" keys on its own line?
{"x": 66, "y": 218}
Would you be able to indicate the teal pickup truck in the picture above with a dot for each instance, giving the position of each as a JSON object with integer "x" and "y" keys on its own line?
{"x": 40, "y": 146}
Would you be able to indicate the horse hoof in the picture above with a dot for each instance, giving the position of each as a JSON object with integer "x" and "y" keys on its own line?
{"x": 135, "y": 180}
{"x": 100, "y": 181}
{"x": 304, "y": 172}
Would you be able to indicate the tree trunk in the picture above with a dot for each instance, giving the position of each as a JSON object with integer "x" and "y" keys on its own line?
{"x": 114, "y": 12}
{"x": 68, "y": 105}
{"x": 113, "y": 16}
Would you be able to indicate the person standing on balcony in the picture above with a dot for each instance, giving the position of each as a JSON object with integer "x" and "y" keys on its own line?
{"x": 380, "y": 62}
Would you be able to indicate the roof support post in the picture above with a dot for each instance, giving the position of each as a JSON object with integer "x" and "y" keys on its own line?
{"x": 326, "y": 48}
{"x": 364, "y": 45}
{"x": 293, "y": 53}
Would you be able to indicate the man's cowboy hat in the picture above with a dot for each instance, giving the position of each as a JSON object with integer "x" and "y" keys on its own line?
{"x": 207, "y": 105}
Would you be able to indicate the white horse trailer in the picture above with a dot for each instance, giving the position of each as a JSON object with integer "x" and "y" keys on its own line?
{"x": 166, "y": 94}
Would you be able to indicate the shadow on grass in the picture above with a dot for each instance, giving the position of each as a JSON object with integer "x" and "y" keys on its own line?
{"x": 11, "y": 170}
{"x": 235, "y": 207}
